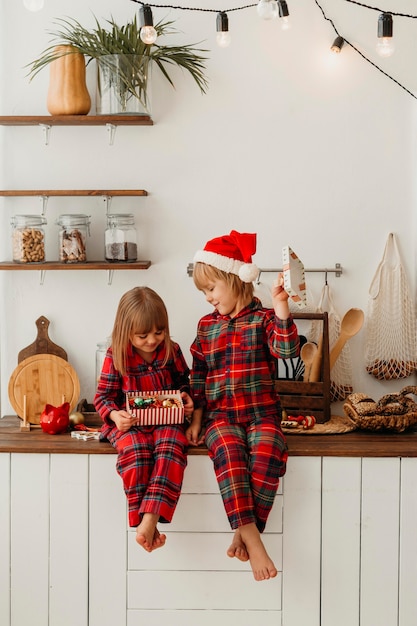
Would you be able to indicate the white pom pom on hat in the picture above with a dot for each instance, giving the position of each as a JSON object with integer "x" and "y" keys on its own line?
{"x": 232, "y": 254}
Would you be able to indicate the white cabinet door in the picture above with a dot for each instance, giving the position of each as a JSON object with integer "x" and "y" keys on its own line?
{"x": 379, "y": 541}
{"x": 5, "y": 539}
{"x": 341, "y": 514}
{"x": 408, "y": 544}
{"x": 302, "y": 542}
{"x": 68, "y": 540}
{"x": 29, "y": 546}
{"x": 107, "y": 541}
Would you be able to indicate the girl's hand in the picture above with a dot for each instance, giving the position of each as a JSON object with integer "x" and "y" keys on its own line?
{"x": 123, "y": 420}
{"x": 188, "y": 404}
{"x": 280, "y": 298}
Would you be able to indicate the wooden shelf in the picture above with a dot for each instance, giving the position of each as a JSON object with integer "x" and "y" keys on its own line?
{"x": 73, "y": 192}
{"x": 89, "y": 265}
{"x": 76, "y": 120}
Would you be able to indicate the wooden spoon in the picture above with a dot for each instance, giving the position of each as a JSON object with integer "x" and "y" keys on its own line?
{"x": 315, "y": 371}
{"x": 350, "y": 325}
{"x": 308, "y": 353}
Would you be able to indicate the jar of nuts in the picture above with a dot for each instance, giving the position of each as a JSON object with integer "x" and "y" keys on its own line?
{"x": 28, "y": 238}
{"x": 72, "y": 237}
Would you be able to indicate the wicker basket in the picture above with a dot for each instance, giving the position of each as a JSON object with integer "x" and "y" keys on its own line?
{"x": 395, "y": 411}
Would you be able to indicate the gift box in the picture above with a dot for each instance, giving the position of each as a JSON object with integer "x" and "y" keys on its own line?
{"x": 155, "y": 407}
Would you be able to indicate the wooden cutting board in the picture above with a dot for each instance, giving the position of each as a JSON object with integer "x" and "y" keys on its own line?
{"x": 42, "y": 379}
{"x": 42, "y": 343}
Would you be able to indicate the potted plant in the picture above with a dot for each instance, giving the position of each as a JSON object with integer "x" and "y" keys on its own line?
{"x": 123, "y": 62}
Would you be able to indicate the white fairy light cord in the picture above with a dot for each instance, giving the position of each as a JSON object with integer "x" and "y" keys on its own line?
{"x": 325, "y": 16}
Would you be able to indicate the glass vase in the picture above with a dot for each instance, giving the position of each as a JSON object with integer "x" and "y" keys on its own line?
{"x": 123, "y": 85}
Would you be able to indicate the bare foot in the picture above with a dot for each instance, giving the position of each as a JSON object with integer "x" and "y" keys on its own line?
{"x": 147, "y": 534}
{"x": 262, "y": 565}
{"x": 237, "y": 548}
{"x": 158, "y": 539}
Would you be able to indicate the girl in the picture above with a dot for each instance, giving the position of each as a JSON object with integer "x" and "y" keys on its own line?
{"x": 151, "y": 459}
{"x": 232, "y": 378}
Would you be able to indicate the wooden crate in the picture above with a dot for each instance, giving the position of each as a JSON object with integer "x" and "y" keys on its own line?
{"x": 300, "y": 398}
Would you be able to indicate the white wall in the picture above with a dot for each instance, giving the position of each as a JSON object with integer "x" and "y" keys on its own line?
{"x": 303, "y": 147}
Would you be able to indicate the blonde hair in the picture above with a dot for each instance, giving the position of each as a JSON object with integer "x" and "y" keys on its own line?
{"x": 140, "y": 310}
{"x": 204, "y": 274}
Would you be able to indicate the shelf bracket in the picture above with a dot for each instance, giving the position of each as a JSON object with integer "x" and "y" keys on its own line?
{"x": 110, "y": 276}
{"x": 107, "y": 201}
{"x": 44, "y": 200}
{"x": 42, "y": 276}
{"x": 111, "y": 129}
{"x": 47, "y": 132}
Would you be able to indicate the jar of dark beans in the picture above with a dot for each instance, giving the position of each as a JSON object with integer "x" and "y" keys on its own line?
{"x": 120, "y": 238}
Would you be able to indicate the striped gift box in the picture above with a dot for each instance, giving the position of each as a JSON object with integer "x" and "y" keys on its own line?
{"x": 151, "y": 416}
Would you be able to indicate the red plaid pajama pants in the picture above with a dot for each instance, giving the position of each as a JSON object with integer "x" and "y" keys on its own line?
{"x": 151, "y": 462}
{"x": 249, "y": 460}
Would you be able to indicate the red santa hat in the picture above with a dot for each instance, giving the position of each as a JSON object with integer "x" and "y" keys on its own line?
{"x": 232, "y": 254}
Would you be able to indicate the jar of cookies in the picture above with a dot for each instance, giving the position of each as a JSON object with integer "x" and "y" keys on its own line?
{"x": 28, "y": 238}
{"x": 120, "y": 238}
{"x": 73, "y": 237}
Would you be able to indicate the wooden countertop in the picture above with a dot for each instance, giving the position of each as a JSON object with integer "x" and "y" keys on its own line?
{"x": 358, "y": 443}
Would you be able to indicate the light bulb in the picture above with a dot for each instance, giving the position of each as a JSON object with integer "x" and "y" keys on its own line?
{"x": 284, "y": 15}
{"x": 285, "y": 23}
{"x": 337, "y": 45}
{"x": 267, "y": 9}
{"x": 223, "y": 39}
{"x": 33, "y": 5}
{"x": 222, "y": 27}
{"x": 148, "y": 34}
{"x": 385, "y": 46}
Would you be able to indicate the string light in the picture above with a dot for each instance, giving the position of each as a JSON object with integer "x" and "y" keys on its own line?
{"x": 284, "y": 9}
{"x": 267, "y": 9}
{"x": 385, "y": 46}
{"x": 337, "y": 45}
{"x": 222, "y": 26}
{"x": 148, "y": 33}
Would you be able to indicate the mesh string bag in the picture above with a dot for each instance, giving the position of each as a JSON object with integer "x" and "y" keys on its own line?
{"x": 341, "y": 376}
{"x": 390, "y": 328}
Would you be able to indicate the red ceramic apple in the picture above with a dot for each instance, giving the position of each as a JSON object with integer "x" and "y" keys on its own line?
{"x": 55, "y": 419}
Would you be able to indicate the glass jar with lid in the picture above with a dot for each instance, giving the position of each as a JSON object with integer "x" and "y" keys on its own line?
{"x": 28, "y": 238}
{"x": 120, "y": 238}
{"x": 73, "y": 237}
{"x": 100, "y": 355}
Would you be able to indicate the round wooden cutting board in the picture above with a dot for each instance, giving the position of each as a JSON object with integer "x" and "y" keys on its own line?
{"x": 43, "y": 379}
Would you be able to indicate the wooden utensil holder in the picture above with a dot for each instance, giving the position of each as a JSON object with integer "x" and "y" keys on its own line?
{"x": 309, "y": 398}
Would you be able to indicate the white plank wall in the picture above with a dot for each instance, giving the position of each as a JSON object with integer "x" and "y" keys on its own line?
{"x": 342, "y": 532}
{"x": 192, "y": 580}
